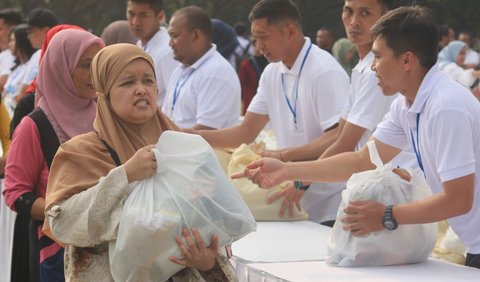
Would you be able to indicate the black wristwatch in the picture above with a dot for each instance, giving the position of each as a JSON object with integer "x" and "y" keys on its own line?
{"x": 298, "y": 185}
{"x": 388, "y": 221}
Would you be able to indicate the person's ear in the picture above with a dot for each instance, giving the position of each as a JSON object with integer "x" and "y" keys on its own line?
{"x": 161, "y": 16}
{"x": 409, "y": 60}
{"x": 291, "y": 30}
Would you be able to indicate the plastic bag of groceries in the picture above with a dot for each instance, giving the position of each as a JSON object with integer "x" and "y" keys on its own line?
{"x": 254, "y": 196}
{"x": 410, "y": 243}
{"x": 188, "y": 190}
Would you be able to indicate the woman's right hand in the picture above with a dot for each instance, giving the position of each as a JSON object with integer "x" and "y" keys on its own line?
{"x": 141, "y": 165}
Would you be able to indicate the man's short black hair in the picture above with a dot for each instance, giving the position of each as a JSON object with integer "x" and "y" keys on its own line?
{"x": 156, "y": 5}
{"x": 41, "y": 17}
{"x": 196, "y": 18}
{"x": 410, "y": 29}
{"x": 276, "y": 11}
{"x": 11, "y": 16}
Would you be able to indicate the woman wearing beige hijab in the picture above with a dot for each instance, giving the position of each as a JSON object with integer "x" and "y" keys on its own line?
{"x": 91, "y": 174}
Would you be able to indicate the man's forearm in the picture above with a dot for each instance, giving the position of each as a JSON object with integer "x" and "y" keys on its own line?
{"x": 312, "y": 150}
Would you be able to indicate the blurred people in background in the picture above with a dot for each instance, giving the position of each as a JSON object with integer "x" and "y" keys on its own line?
{"x": 324, "y": 39}
{"x": 249, "y": 74}
{"x": 23, "y": 50}
{"x": 9, "y": 18}
{"x": 446, "y": 34}
{"x": 451, "y": 60}
{"x": 244, "y": 49}
{"x": 204, "y": 91}
{"x": 118, "y": 32}
{"x": 39, "y": 21}
{"x": 145, "y": 18}
{"x": 224, "y": 37}
{"x": 471, "y": 57}
{"x": 344, "y": 51}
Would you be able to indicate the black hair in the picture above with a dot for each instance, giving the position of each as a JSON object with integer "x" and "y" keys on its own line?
{"x": 156, "y": 5}
{"x": 410, "y": 29}
{"x": 276, "y": 11}
{"x": 196, "y": 18}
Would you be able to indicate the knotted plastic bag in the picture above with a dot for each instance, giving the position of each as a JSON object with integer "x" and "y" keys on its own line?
{"x": 410, "y": 243}
{"x": 188, "y": 190}
{"x": 255, "y": 197}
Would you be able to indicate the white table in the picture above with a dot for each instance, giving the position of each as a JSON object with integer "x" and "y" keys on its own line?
{"x": 296, "y": 251}
{"x": 433, "y": 270}
{"x": 283, "y": 241}
{"x": 280, "y": 242}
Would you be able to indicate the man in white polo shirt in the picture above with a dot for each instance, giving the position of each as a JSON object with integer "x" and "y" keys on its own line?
{"x": 301, "y": 92}
{"x": 365, "y": 106}
{"x": 145, "y": 18}
{"x": 439, "y": 117}
{"x": 204, "y": 91}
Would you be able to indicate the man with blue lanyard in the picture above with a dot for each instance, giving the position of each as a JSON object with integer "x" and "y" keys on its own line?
{"x": 204, "y": 90}
{"x": 301, "y": 92}
{"x": 436, "y": 115}
{"x": 145, "y": 18}
{"x": 365, "y": 106}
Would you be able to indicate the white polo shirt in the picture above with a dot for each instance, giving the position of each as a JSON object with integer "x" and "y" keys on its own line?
{"x": 31, "y": 68}
{"x": 7, "y": 61}
{"x": 366, "y": 106}
{"x": 322, "y": 89}
{"x": 157, "y": 47}
{"x": 448, "y": 140}
{"x": 207, "y": 93}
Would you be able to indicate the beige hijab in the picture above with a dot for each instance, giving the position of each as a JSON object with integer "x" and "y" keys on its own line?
{"x": 80, "y": 162}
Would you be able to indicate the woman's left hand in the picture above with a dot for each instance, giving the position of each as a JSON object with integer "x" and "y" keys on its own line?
{"x": 198, "y": 255}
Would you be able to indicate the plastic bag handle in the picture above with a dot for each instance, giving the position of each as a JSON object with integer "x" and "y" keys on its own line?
{"x": 374, "y": 157}
{"x": 161, "y": 162}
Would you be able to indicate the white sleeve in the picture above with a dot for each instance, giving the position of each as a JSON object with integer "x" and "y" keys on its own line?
{"x": 368, "y": 104}
{"x": 390, "y": 131}
{"x": 454, "y": 156}
{"x": 259, "y": 103}
{"x": 91, "y": 217}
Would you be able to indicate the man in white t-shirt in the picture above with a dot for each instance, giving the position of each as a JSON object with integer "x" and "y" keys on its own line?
{"x": 145, "y": 18}
{"x": 9, "y": 18}
{"x": 437, "y": 116}
{"x": 40, "y": 21}
{"x": 204, "y": 91}
{"x": 301, "y": 92}
{"x": 365, "y": 106}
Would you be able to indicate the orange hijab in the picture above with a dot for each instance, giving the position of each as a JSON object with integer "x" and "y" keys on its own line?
{"x": 81, "y": 161}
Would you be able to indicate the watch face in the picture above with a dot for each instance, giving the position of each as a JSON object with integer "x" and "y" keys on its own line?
{"x": 390, "y": 225}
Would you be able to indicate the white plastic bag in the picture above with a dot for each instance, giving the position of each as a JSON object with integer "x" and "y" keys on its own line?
{"x": 407, "y": 244}
{"x": 256, "y": 197}
{"x": 188, "y": 190}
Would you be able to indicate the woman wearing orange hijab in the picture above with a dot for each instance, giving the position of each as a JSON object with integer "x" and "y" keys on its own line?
{"x": 91, "y": 174}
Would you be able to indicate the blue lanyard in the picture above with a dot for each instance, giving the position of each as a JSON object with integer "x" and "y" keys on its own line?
{"x": 293, "y": 109}
{"x": 416, "y": 148}
{"x": 178, "y": 87}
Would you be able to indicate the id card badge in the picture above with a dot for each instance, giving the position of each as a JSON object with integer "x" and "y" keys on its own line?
{"x": 297, "y": 126}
